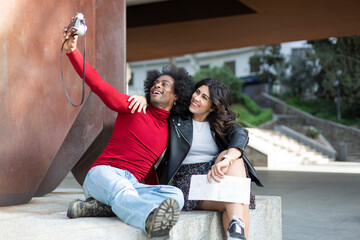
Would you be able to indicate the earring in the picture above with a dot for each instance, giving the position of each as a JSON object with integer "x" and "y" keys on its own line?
{"x": 175, "y": 103}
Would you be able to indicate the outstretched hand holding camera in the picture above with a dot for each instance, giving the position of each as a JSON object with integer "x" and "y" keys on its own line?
{"x": 70, "y": 36}
{"x": 71, "y": 43}
{"x": 77, "y": 26}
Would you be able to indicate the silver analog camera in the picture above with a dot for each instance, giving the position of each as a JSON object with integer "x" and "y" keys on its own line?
{"x": 77, "y": 25}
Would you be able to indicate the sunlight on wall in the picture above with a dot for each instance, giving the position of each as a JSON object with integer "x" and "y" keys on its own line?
{"x": 6, "y": 18}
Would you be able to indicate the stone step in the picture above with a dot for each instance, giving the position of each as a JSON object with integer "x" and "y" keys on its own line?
{"x": 353, "y": 159}
{"x": 45, "y": 218}
{"x": 282, "y": 151}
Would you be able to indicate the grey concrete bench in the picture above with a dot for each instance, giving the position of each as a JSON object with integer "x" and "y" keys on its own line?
{"x": 45, "y": 218}
{"x": 265, "y": 222}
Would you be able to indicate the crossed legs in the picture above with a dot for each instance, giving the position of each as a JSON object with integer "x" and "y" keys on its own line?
{"x": 229, "y": 210}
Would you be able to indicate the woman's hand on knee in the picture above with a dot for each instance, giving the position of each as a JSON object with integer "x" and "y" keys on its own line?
{"x": 218, "y": 171}
{"x": 221, "y": 156}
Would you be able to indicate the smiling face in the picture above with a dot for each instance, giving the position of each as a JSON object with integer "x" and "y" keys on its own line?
{"x": 201, "y": 103}
{"x": 162, "y": 93}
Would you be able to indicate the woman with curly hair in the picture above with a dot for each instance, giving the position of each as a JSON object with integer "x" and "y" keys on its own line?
{"x": 206, "y": 139}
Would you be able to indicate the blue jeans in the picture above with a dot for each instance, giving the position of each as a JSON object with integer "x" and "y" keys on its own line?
{"x": 130, "y": 200}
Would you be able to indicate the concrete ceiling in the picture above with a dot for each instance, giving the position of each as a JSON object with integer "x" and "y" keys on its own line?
{"x": 158, "y": 29}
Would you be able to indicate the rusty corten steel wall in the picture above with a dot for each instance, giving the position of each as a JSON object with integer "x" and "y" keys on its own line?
{"x": 42, "y": 137}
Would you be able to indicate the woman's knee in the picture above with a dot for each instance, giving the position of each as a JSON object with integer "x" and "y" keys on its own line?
{"x": 237, "y": 168}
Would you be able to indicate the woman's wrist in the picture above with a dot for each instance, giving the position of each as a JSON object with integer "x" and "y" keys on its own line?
{"x": 227, "y": 157}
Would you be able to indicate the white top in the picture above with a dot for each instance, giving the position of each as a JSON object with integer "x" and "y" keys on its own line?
{"x": 203, "y": 148}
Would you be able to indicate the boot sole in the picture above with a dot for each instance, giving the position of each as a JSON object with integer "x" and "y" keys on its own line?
{"x": 165, "y": 217}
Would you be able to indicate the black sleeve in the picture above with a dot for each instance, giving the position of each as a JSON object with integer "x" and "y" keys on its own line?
{"x": 238, "y": 137}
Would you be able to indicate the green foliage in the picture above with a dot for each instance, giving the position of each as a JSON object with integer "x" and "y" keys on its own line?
{"x": 312, "y": 132}
{"x": 266, "y": 61}
{"x": 250, "y": 104}
{"x": 321, "y": 108}
{"x": 224, "y": 74}
{"x": 303, "y": 74}
{"x": 249, "y": 119}
{"x": 340, "y": 60}
{"x": 263, "y": 117}
{"x": 250, "y": 114}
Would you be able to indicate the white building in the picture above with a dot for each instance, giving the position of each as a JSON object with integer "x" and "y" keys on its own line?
{"x": 236, "y": 59}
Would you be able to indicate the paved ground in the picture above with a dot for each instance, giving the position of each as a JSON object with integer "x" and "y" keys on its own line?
{"x": 316, "y": 205}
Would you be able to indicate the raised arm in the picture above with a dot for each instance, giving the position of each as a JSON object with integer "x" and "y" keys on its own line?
{"x": 108, "y": 94}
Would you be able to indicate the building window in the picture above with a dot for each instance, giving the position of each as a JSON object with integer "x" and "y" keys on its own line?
{"x": 206, "y": 66}
{"x": 254, "y": 65}
{"x": 131, "y": 80}
{"x": 299, "y": 52}
{"x": 231, "y": 65}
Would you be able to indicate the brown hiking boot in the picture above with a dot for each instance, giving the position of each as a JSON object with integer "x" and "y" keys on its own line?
{"x": 88, "y": 208}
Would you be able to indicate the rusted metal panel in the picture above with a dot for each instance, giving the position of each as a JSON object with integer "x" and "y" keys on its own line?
{"x": 41, "y": 135}
{"x": 86, "y": 128}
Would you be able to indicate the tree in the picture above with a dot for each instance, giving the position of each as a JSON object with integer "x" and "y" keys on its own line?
{"x": 303, "y": 73}
{"x": 266, "y": 61}
{"x": 224, "y": 74}
{"x": 340, "y": 60}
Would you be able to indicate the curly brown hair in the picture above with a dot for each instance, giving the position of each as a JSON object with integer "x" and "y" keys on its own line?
{"x": 183, "y": 86}
{"x": 222, "y": 118}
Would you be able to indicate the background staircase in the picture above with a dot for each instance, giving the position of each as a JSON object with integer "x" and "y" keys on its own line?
{"x": 280, "y": 151}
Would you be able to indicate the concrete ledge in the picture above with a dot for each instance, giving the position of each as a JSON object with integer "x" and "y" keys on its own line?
{"x": 45, "y": 218}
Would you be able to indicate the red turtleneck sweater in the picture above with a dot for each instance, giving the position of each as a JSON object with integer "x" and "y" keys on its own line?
{"x": 138, "y": 139}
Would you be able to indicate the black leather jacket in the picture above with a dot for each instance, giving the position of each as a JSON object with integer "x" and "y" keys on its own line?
{"x": 180, "y": 139}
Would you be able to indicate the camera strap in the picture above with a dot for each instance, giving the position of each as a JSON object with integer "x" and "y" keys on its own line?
{"x": 83, "y": 78}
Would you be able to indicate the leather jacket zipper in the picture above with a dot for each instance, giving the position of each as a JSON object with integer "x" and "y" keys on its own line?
{"x": 178, "y": 132}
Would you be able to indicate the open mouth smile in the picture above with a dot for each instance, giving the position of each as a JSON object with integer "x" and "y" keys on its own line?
{"x": 195, "y": 104}
{"x": 157, "y": 92}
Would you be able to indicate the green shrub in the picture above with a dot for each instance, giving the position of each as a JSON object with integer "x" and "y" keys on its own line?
{"x": 312, "y": 132}
{"x": 223, "y": 74}
{"x": 322, "y": 108}
{"x": 263, "y": 117}
{"x": 250, "y": 114}
{"x": 250, "y": 104}
{"x": 249, "y": 119}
